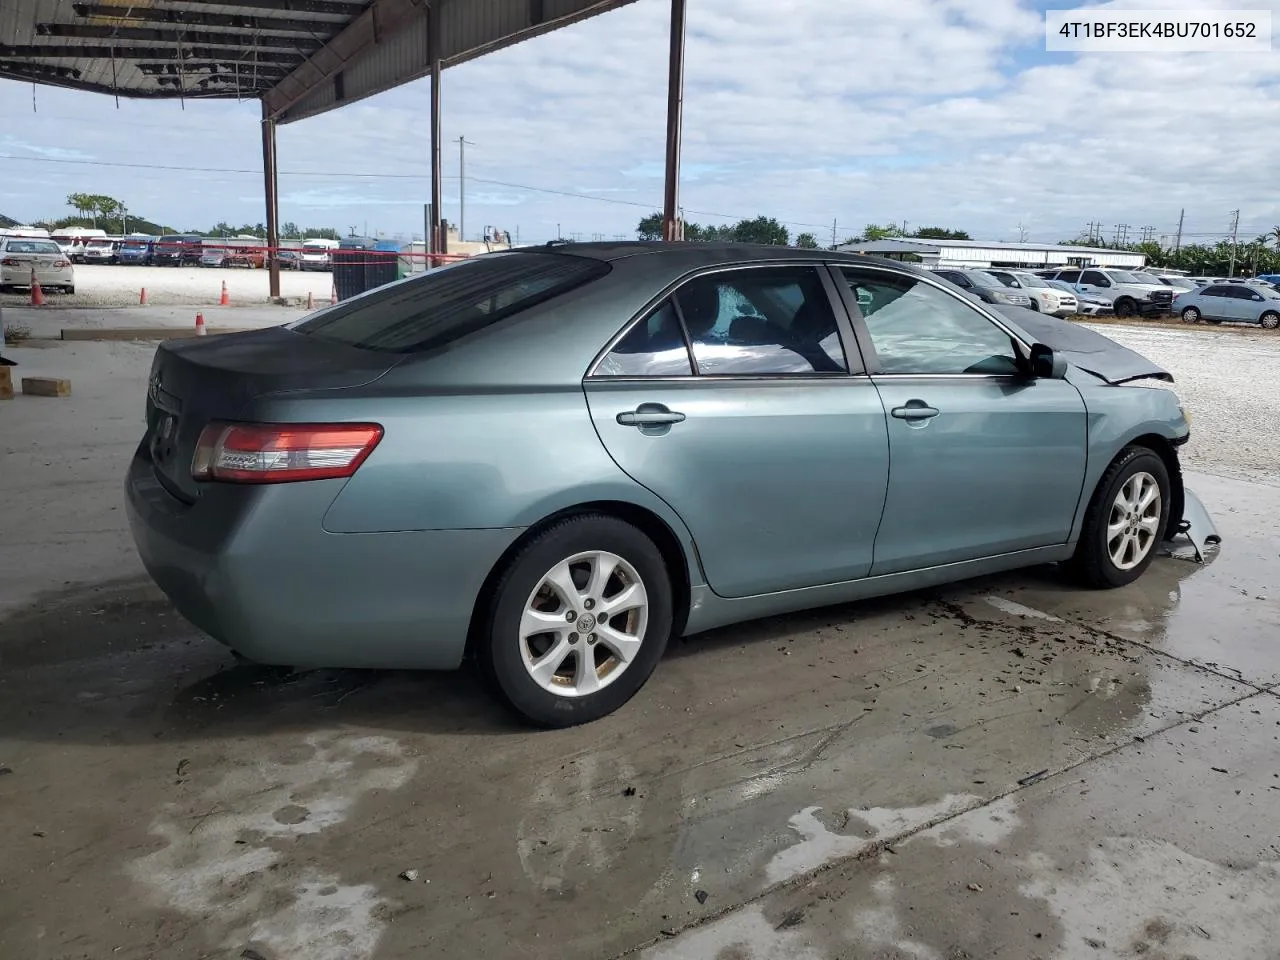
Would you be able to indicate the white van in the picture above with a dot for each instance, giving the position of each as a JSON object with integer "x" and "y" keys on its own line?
{"x": 317, "y": 254}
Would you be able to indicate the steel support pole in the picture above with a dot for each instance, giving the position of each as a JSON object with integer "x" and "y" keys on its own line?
{"x": 435, "y": 242}
{"x": 271, "y": 181}
{"x": 672, "y": 228}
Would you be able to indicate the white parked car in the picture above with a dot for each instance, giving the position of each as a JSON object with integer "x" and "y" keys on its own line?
{"x": 19, "y": 256}
{"x": 99, "y": 250}
{"x": 1086, "y": 306}
{"x": 1044, "y": 298}
{"x": 1128, "y": 294}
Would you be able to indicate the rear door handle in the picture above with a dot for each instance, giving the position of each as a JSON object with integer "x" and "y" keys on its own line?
{"x": 650, "y": 415}
{"x": 915, "y": 410}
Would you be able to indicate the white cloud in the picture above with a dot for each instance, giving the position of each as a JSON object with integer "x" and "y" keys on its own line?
{"x": 935, "y": 111}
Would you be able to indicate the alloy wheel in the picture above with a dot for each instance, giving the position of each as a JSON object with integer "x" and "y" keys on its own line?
{"x": 584, "y": 624}
{"x": 1134, "y": 521}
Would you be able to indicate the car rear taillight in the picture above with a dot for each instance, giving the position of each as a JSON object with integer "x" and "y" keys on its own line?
{"x": 282, "y": 452}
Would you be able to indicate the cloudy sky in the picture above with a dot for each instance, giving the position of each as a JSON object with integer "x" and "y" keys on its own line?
{"x": 944, "y": 112}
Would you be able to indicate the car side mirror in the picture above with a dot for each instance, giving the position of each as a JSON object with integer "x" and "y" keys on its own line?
{"x": 1045, "y": 364}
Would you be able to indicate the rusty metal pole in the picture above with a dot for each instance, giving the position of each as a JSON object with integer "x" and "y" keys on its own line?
{"x": 271, "y": 181}
{"x": 672, "y": 228}
{"x": 435, "y": 241}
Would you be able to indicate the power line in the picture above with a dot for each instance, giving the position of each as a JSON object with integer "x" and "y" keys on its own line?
{"x": 333, "y": 174}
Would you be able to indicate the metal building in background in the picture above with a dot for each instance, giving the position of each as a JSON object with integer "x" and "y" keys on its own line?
{"x": 301, "y": 58}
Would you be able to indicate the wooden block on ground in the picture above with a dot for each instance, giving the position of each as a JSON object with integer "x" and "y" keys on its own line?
{"x": 46, "y": 387}
{"x": 6, "y": 383}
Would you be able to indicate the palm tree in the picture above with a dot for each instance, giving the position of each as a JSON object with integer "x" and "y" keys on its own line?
{"x": 82, "y": 203}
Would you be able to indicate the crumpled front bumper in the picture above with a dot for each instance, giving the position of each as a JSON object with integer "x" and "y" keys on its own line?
{"x": 1195, "y": 537}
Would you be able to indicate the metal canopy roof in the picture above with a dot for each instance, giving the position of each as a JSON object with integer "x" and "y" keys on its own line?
{"x": 301, "y": 57}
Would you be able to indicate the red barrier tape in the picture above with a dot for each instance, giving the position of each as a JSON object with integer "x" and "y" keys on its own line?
{"x": 259, "y": 253}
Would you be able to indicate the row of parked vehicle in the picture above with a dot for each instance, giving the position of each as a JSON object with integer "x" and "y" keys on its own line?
{"x": 1095, "y": 291}
{"x": 192, "y": 250}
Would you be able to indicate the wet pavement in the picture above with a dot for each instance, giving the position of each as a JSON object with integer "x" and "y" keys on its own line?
{"x": 1009, "y": 767}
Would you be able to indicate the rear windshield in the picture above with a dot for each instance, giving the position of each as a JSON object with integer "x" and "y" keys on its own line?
{"x": 32, "y": 246}
{"x": 444, "y": 304}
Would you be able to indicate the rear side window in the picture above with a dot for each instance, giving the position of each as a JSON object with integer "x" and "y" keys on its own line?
{"x": 445, "y": 304}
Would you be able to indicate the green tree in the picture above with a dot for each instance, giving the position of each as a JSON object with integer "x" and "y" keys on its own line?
{"x": 941, "y": 233}
{"x": 650, "y": 227}
{"x": 81, "y": 203}
{"x": 761, "y": 230}
{"x": 807, "y": 241}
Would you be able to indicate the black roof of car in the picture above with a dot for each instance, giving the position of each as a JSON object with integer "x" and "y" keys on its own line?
{"x": 696, "y": 253}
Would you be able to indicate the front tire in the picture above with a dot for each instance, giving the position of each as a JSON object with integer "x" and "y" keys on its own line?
{"x": 580, "y": 618}
{"x": 1125, "y": 522}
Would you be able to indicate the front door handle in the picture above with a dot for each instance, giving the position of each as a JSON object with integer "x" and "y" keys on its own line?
{"x": 650, "y": 415}
{"x": 915, "y": 410}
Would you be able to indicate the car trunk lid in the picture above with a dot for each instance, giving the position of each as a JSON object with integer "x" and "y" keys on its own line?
{"x": 194, "y": 382}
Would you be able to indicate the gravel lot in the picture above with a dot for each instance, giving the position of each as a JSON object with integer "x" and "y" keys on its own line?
{"x": 1227, "y": 380}
{"x": 116, "y": 286}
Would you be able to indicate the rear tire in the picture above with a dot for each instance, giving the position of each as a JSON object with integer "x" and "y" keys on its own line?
{"x": 1124, "y": 526}
{"x": 1270, "y": 320}
{"x": 564, "y": 674}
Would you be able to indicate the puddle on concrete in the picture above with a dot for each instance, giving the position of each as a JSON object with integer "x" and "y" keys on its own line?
{"x": 228, "y": 849}
{"x": 1148, "y": 898}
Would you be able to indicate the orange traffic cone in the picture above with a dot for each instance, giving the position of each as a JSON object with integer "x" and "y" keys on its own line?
{"x": 37, "y": 295}
{"x": 142, "y": 297}
{"x": 311, "y": 304}
{"x": 225, "y": 299}
{"x": 333, "y": 296}
{"x": 199, "y": 324}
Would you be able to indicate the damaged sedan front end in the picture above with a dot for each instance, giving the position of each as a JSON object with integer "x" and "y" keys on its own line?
{"x": 1105, "y": 367}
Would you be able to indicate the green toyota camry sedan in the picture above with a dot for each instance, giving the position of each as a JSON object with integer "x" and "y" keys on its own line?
{"x": 550, "y": 461}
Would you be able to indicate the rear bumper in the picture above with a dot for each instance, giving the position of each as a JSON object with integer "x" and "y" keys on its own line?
{"x": 19, "y": 277}
{"x": 253, "y": 568}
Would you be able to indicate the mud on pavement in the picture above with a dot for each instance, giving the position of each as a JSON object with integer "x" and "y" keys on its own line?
{"x": 1008, "y": 767}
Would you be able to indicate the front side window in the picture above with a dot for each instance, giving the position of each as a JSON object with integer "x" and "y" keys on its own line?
{"x": 918, "y": 329}
{"x": 443, "y": 305}
{"x": 761, "y": 322}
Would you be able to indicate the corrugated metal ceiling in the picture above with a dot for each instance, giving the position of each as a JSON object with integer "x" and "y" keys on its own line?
{"x": 302, "y": 57}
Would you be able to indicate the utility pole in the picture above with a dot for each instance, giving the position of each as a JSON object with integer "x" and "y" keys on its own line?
{"x": 1177, "y": 244}
{"x": 462, "y": 187}
{"x": 1235, "y": 226}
